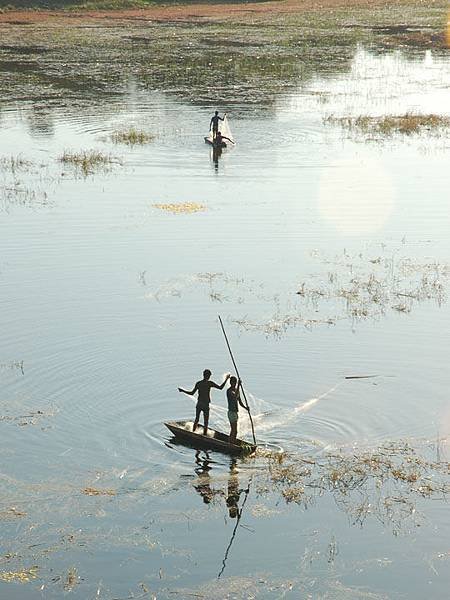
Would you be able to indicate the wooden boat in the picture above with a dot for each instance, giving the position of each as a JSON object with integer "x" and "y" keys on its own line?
{"x": 209, "y": 141}
{"x": 215, "y": 439}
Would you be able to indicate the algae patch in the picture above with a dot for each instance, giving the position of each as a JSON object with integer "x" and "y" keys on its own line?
{"x": 184, "y": 207}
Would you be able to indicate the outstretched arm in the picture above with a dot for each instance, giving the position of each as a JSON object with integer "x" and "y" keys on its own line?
{"x": 225, "y": 138}
{"x": 222, "y": 385}
{"x": 191, "y": 393}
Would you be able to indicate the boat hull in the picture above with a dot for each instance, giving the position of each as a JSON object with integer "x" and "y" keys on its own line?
{"x": 214, "y": 440}
{"x": 213, "y": 144}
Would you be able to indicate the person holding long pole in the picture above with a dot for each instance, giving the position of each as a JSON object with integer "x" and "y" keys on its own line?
{"x": 234, "y": 400}
{"x": 246, "y": 406}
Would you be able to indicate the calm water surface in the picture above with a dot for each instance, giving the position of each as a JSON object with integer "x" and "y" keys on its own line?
{"x": 111, "y": 303}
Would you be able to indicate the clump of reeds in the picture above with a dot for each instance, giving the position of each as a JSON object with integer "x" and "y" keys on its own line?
{"x": 87, "y": 161}
{"x": 131, "y": 137}
{"x": 387, "y": 125}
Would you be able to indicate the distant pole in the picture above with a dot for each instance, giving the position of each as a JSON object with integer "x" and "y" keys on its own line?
{"x": 239, "y": 377}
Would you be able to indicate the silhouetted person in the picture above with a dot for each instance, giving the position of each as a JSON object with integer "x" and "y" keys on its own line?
{"x": 234, "y": 399}
{"x": 214, "y": 123}
{"x": 219, "y": 140}
{"x": 203, "y": 387}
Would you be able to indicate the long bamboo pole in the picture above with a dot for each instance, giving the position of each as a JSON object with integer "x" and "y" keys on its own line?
{"x": 239, "y": 377}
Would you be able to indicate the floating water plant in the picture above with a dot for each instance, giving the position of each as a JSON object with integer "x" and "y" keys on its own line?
{"x": 131, "y": 137}
{"x": 184, "y": 207}
{"x": 23, "y": 576}
{"x": 90, "y": 491}
{"x": 388, "y": 125}
{"x": 87, "y": 161}
{"x": 71, "y": 579}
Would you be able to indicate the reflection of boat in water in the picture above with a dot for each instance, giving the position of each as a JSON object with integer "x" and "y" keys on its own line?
{"x": 214, "y": 439}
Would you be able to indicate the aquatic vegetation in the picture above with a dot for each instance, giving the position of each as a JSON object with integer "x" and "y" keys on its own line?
{"x": 17, "y": 194}
{"x": 388, "y": 125}
{"x": 14, "y": 163}
{"x": 23, "y": 576}
{"x": 259, "y": 57}
{"x": 11, "y": 514}
{"x": 72, "y": 579}
{"x": 382, "y": 483}
{"x": 182, "y": 207}
{"x": 360, "y": 287}
{"x": 131, "y": 137}
{"x": 90, "y": 491}
{"x": 88, "y": 161}
{"x": 16, "y": 364}
{"x": 26, "y": 415}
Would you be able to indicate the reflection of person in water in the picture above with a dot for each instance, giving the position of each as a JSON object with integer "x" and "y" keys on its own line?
{"x": 203, "y": 486}
{"x": 233, "y": 492}
{"x": 216, "y": 154}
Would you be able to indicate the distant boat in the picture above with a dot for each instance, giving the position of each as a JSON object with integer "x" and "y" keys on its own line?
{"x": 215, "y": 439}
{"x": 224, "y": 129}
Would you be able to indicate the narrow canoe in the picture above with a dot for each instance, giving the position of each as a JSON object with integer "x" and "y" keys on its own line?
{"x": 209, "y": 141}
{"x": 214, "y": 439}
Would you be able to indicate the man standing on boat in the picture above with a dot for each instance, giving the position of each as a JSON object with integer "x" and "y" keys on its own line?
{"x": 214, "y": 123}
{"x": 234, "y": 399}
{"x": 203, "y": 387}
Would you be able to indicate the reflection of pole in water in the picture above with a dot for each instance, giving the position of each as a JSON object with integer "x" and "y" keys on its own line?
{"x": 233, "y": 496}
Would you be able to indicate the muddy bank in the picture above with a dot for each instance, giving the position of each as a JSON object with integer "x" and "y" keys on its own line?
{"x": 198, "y": 12}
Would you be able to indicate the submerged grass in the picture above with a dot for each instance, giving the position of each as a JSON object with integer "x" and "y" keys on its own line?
{"x": 388, "y": 125}
{"x": 90, "y": 491}
{"x": 14, "y": 163}
{"x": 382, "y": 483}
{"x": 88, "y": 161}
{"x": 131, "y": 137}
{"x": 358, "y": 287}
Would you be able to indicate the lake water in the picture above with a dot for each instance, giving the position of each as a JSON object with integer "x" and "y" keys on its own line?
{"x": 109, "y": 303}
